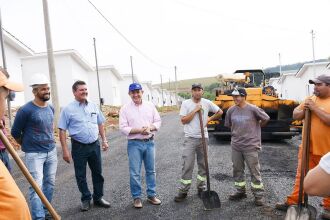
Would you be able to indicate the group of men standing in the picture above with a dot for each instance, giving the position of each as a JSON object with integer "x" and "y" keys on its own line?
{"x": 139, "y": 120}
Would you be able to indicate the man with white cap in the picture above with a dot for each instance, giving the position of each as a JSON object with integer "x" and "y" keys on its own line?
{"x": 33, "y": 128}
{"x": 245, "y": 121}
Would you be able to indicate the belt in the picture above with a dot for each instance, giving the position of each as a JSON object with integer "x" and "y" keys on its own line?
{"x": 3, "y": 150}
{"x": 144, "y": 140}
{"x": 78, "y": 142}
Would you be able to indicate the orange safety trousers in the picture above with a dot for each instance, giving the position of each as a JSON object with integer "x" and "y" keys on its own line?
{"x": 313, "y": 162}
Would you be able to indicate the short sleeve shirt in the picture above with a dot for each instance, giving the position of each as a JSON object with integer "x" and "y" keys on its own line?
{"x": 245, "y": 126}
{"x": 192, "y": 129}
{"x": 319, "y": 136}
{"x": 325, "y": 163}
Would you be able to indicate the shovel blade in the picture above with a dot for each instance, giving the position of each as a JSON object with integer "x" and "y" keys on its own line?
{"x": 294, "y": 213}
{"x": 210, "y": 200}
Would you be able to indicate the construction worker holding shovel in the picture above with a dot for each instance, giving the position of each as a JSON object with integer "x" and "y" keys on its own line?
{"x": 33, "y": 128}
{"x": 192, "y": 145}
{"x": 245, "y": 121}
{"x": 12, "y": 202}
{"x": 319, "y": 105}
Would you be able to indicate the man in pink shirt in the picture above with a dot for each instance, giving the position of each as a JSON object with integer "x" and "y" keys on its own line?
{"x": 139, "y": 120}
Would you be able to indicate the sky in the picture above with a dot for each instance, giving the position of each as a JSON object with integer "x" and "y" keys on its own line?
{"x": 201, "y": 37}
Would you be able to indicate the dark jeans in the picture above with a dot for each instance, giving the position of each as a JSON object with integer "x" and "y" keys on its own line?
{"x": 91, "y": 154}
{"x": 5, "y": 159}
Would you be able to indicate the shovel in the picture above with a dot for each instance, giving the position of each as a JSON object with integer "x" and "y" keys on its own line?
{"x": 28, "y": 176}
{"x": 210, "y": 198}
{"x": 303, "y": 211}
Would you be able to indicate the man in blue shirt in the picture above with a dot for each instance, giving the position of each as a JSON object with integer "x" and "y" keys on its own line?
{"x": 33, "y": 128}
{"x": 84, "y": 121}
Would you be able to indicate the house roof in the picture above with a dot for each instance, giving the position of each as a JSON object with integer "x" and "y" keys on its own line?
{"x": 303, "y": 69}
{"x": 17, "y": 44}
{"x": 271, "y": 80}
{"x": 113, "y": 70}
{"x": 129, "y": 76}
{"x": 71, "y": 52}
{"x": 285, "y": 75}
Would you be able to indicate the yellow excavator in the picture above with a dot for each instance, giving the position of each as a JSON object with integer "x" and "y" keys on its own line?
{"x": 281, "y": 124}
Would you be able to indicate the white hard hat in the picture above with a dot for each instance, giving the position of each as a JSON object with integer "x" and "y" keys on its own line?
{"x": 38, "y": 79}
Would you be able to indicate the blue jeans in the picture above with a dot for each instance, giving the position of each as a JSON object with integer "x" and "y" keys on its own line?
{"x": 91, "y": 154}
{"x": 42, "y": 167}
{"x": 5, "y": 159}
{"x": 139, "y": 151}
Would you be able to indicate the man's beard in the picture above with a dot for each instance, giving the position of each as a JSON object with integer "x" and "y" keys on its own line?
{"x": 45, "y": 97}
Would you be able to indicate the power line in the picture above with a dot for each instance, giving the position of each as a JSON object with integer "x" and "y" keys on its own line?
{"x": 126, "y": 39}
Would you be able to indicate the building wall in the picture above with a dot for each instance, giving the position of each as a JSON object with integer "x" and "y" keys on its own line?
{"x": 147, "y": 93}
{"x": 124, "y": 84}
{"x": 14, "y": 69}
{"x": 67, "y": 72}
{"x": 157, "y": 97}
{"x": 298, "y": 88}
{"x": 109, "y": 85}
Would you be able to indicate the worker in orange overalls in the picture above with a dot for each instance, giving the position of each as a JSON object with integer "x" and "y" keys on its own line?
{"x": 12, "y": 202}
{"x": 319, "y": 104}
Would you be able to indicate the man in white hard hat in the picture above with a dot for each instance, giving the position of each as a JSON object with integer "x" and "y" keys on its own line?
{"x": 33, "y": 128}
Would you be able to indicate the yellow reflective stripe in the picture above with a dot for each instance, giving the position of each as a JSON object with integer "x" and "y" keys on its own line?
{"x": 201, "y": 178}
{"x": 240, "y": 184}
{"x": 257, "y": 186}
{"x": 186, "y": 182}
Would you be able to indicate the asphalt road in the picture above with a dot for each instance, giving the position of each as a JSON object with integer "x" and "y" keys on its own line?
{"x": 278, "y": 163}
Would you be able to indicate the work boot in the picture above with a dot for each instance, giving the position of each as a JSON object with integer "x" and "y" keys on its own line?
{"x": 259, "y": 201}
{"x": 325, "y": 214}
{"x": 282, "y": 206}
{"x": 137, "y": 203}
{"x": 85, "y": 205}
{"x": 237, "y": 196}
{"x": 180, "y": 197}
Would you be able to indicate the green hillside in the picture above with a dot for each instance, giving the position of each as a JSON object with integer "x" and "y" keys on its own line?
{"x": 185, "y": 85}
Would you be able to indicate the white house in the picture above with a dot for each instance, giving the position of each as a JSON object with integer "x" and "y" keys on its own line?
{"x": 294, "y": 85}
{"x": 147, "y": 91}
{"x": 69, "y": 67}
{"x": 109, "y": 79}
{"x": 157, "y": 96}
{"x": 124, "y": 84}
{"x": 14, "y": 50}
{"x": 307, "y": 72}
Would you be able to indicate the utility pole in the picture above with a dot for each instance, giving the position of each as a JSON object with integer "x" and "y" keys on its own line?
{"x": 132, "y": 68}
{"x": 169, "y": 89}
{"x": 313, "y": 37}
{"x": 51, "y": 65}
{"x": 4, "y": 64}
{"x": 161, "y": 86}
{"x": 279, "y": 59}
{"x": 176, "y": 88}
{"x": 97, "y": 74}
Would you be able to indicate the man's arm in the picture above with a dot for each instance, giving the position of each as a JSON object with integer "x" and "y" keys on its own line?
{"x": 216, "y": 116}
{"x": 64, "y": 145}
{"x": 186, "y": 119}
{"x": 324, "y": 116}
{"x": 317, "y": 182}
{"x": 124, "y": 127}
{"x": 299, "y": 113}
{"x": 105, "y": 144}
{"x": 18, "y": 126}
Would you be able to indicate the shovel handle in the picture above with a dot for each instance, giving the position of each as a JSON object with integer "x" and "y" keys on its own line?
{"x": 28, "y": 176}
{"x": 304, "y": 165}
{"x": 205, "y": 150}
